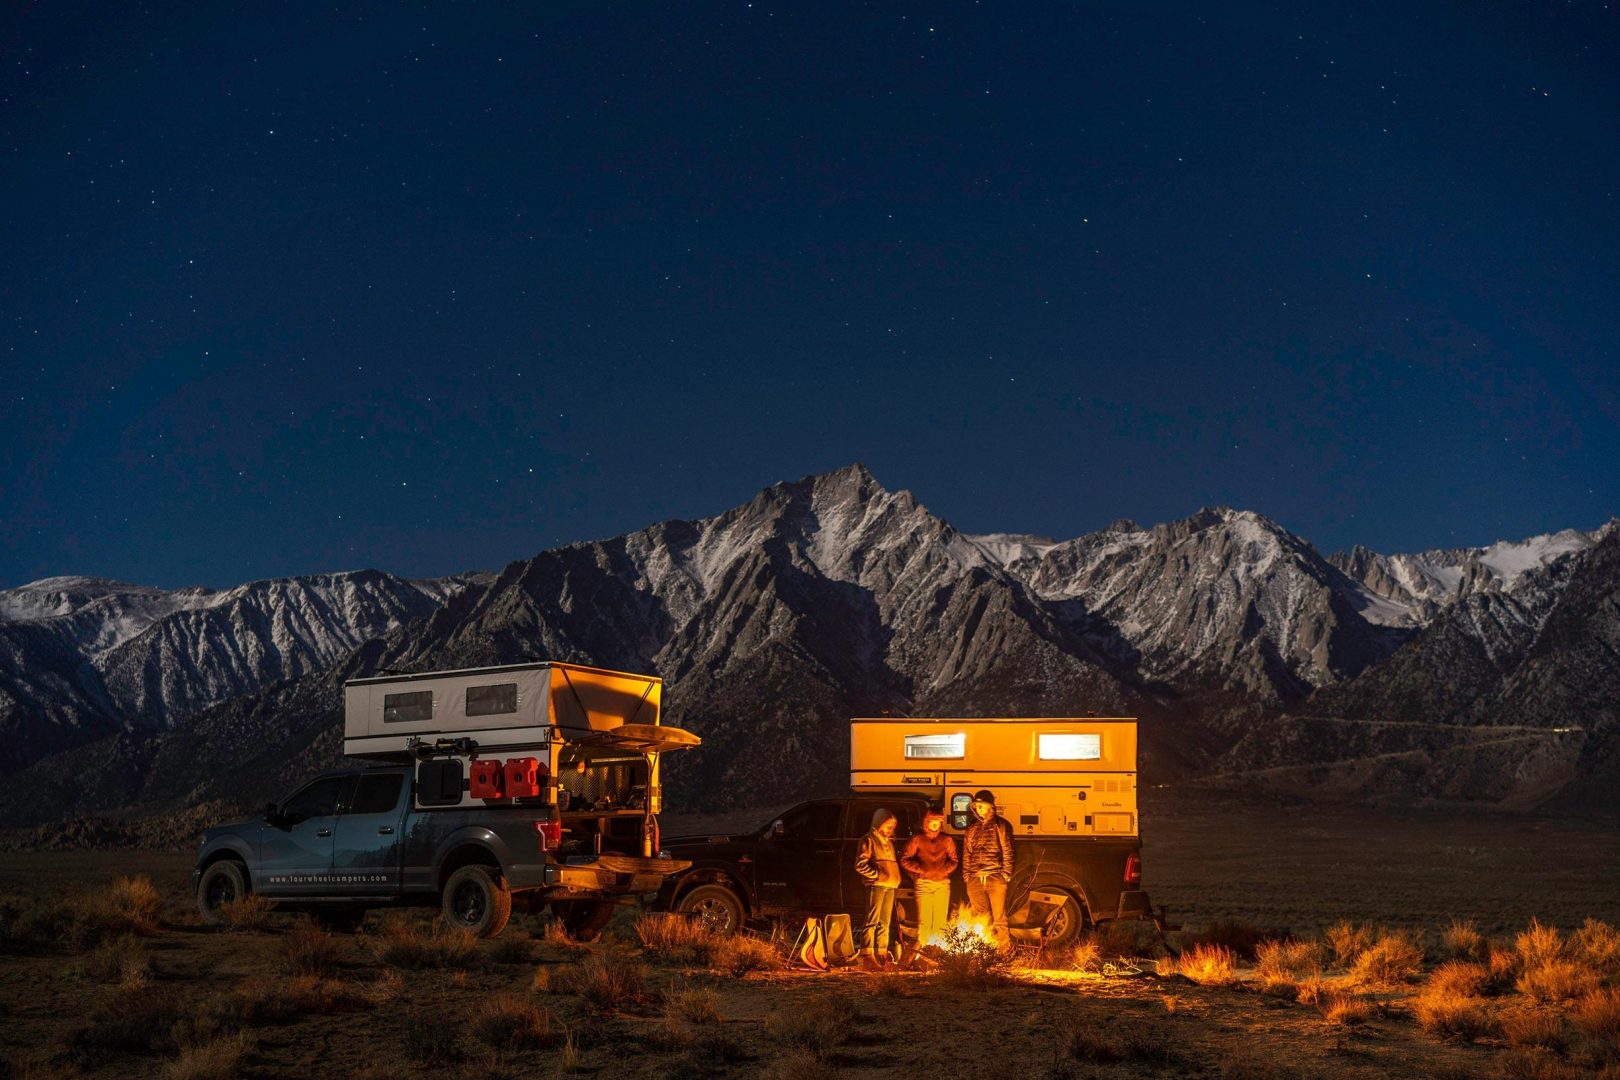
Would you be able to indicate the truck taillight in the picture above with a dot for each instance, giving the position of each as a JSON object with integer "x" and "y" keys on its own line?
{"x": 1133, "y": 869}
{"x": 549, "y": 834}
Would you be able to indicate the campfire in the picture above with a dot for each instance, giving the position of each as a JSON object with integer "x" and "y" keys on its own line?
{"x": 964, "y": 934}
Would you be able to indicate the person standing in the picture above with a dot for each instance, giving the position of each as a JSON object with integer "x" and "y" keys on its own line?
{"x": 875, "y": 862}
{"x": 930, "y": 859}
{"x": 987, "y": 865}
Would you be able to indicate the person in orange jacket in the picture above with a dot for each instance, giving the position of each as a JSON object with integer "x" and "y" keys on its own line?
{"x": 930, "y": 859}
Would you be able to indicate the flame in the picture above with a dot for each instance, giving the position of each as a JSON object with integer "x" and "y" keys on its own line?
{"x": 965, "y": 931}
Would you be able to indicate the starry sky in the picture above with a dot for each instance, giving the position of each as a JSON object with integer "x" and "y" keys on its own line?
{"x": 291, "y": 289}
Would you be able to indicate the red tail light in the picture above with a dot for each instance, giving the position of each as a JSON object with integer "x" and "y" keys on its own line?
{"x": 1133, "y": 869}
{"x": 549, "y": 834}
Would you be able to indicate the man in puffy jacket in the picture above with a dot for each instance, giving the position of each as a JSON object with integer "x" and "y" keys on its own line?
{"x": 987, "y": 864}
{"x": 930, "y": 859}
{"x": 875, "y": 862}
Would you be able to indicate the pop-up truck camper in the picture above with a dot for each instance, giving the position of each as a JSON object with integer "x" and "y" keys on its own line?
{"x": 539, "y": 780}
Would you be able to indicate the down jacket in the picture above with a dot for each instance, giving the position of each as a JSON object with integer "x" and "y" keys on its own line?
{"x": 987, "y": 848}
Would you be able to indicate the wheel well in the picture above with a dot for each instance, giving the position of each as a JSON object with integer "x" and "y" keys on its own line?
{"x": 467, "y": 855}
{"x": 1074, "y": 891}
{"x": 712, "y": 877}
{"x": 227, "y": 853}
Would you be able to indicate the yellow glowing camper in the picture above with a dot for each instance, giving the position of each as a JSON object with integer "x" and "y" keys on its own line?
{"x": 1052, "y": 776}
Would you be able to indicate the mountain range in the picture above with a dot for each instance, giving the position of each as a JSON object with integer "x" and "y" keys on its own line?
{"x": 1482, "y": 675}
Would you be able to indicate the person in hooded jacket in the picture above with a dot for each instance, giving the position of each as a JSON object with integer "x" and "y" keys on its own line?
{"x": 875, "y": 862}
{"x": 987, "y": 865}
{"x": 930, "y": 859}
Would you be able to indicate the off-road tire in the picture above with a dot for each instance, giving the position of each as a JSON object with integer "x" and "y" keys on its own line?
{"x": 476, "y": 898}
{"x": 714, "y": 907}
{"x": 1065, "y": 924}
{"x": 583, "y": 920}
{"x": 220, "y": 883}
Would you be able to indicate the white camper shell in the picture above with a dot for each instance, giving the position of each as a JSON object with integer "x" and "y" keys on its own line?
{"x": 1052, "y": 776}
{"x": 591, "y": 737}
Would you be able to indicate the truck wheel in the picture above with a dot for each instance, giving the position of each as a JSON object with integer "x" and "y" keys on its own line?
{"x": 583, "y": 920}
{"x": 477, "y": 899}
{"x": 714, "y": 907}
{"x": 219, "y": 885}
{"x": 1065, "y": 923}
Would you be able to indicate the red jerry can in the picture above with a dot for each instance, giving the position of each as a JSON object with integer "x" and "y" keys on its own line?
{"x": 485, "y": 780}
{"x": 522, "y": 777}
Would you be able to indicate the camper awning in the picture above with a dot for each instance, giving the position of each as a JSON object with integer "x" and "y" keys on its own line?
{"x": 642, "y": 738}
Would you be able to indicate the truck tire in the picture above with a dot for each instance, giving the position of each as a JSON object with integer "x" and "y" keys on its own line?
{"x": 223, "y": 882}
{"x": 1064, "y": 924}
{"x": 583, "y": 920}
{"x": 714, "y": 907}
{"x": 476, "y": 898}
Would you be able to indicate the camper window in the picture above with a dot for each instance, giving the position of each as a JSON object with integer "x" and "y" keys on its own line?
{"x": 408, "y": 708}
{"x": 1055, "y": 747}
{"x": 492, "y": 700}
{"x": 952, "y": 746}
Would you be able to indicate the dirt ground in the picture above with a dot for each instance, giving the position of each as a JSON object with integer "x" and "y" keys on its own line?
{"x": 1206, "y": 858}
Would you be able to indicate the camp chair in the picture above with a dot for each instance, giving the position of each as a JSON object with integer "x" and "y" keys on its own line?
{"x": 840, "y": 939}
{"x": 810, "y": 947}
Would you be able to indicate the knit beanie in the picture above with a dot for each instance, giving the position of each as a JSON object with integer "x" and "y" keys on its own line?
{"x": 879, "y": 816}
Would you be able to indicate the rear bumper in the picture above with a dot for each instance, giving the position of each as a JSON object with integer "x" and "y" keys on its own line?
{"x": 613, "y": 875}
{"x": 1134, "y": 904}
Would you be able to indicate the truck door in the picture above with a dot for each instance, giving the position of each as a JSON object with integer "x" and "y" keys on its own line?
{"x": 797, "y": 863}
{"x": 857, "y": 825}
{"x": 297, "y": 849}
{"x": 366, "y": 840}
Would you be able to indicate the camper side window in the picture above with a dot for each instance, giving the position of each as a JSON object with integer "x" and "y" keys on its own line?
{"x": 950, "y": 747}
{"x": 492, "y": 700}
{"x": 408, "y": 708}
{"x": 1053, "y": 746}
{"x": 961, "y": 811}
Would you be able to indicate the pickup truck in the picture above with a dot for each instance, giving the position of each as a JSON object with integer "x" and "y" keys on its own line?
{"x": 803, "y": 862}
{"x": 353, "y": 840}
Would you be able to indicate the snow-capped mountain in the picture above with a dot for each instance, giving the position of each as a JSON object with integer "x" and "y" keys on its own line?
{"x": 1411, "y": 590}
{"x": 1245, "y": 652}
{"x": 83, "y": 657}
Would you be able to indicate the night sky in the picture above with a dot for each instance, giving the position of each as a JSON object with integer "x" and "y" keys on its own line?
{"x": 289, "y": 290}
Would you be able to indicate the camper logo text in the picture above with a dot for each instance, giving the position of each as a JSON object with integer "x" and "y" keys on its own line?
{"x": 328, "y": 879}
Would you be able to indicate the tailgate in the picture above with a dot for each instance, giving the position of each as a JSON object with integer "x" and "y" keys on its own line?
{"x": 613, "y": 873}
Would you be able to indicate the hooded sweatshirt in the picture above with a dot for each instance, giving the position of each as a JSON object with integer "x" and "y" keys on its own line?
{"x": 874, "y": 859}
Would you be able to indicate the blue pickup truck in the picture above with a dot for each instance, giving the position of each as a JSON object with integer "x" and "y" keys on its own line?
{"x": 356, "y": 839}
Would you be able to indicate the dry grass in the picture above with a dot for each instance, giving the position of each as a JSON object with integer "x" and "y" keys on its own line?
{"x": 313, "y": 994}
{"x": 1461, "y": 940}
{"x": 1128, "y": 938}
{"x": 1084, "y": 955}
{"x": 693, "y": 1004}
{"x": 1347, "y": 941}
{"x": 513, "y": 947}
{"x": 510, "y": 1022}
{"x": 1598, "y": 944}
{"x": 1443, "y": 1013}
{"x": 1597, "y": 1016}
{"x": 674, "y": 937}
{"x": 309, "y": 950}
{"x": 1288, "y": 961}
{"x": 122, "y": 962}
{"x": 1537, "y": 945}
{"x": 250, "y": 912}
{"x": 800, "y": 1065}
{"x": 1535, "y": 1028}
{"x": 217, "y": 1059}
{"x": 138, "y": 1022}
{"x": 817, "y": 1026}
{"x": 1346, "y": 1010}
{"x": 1208, "y": 965}
{"x": 1393, "y": 959}
{"x": 739, "y": 954}
{"x": 606, "y": 982}
{"x": 1240, "y": 938}
{"x": 1458, "y": 978}
{"x": 406, "y": 945}
{"x": 126, "y": 906}
{"x": 1557, "y": 980}
{"x": 1535, "y": 1063}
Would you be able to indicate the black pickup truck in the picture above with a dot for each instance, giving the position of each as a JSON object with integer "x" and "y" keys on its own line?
{"x": 803, "y": 862}
{"x": 352, "y": 840}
